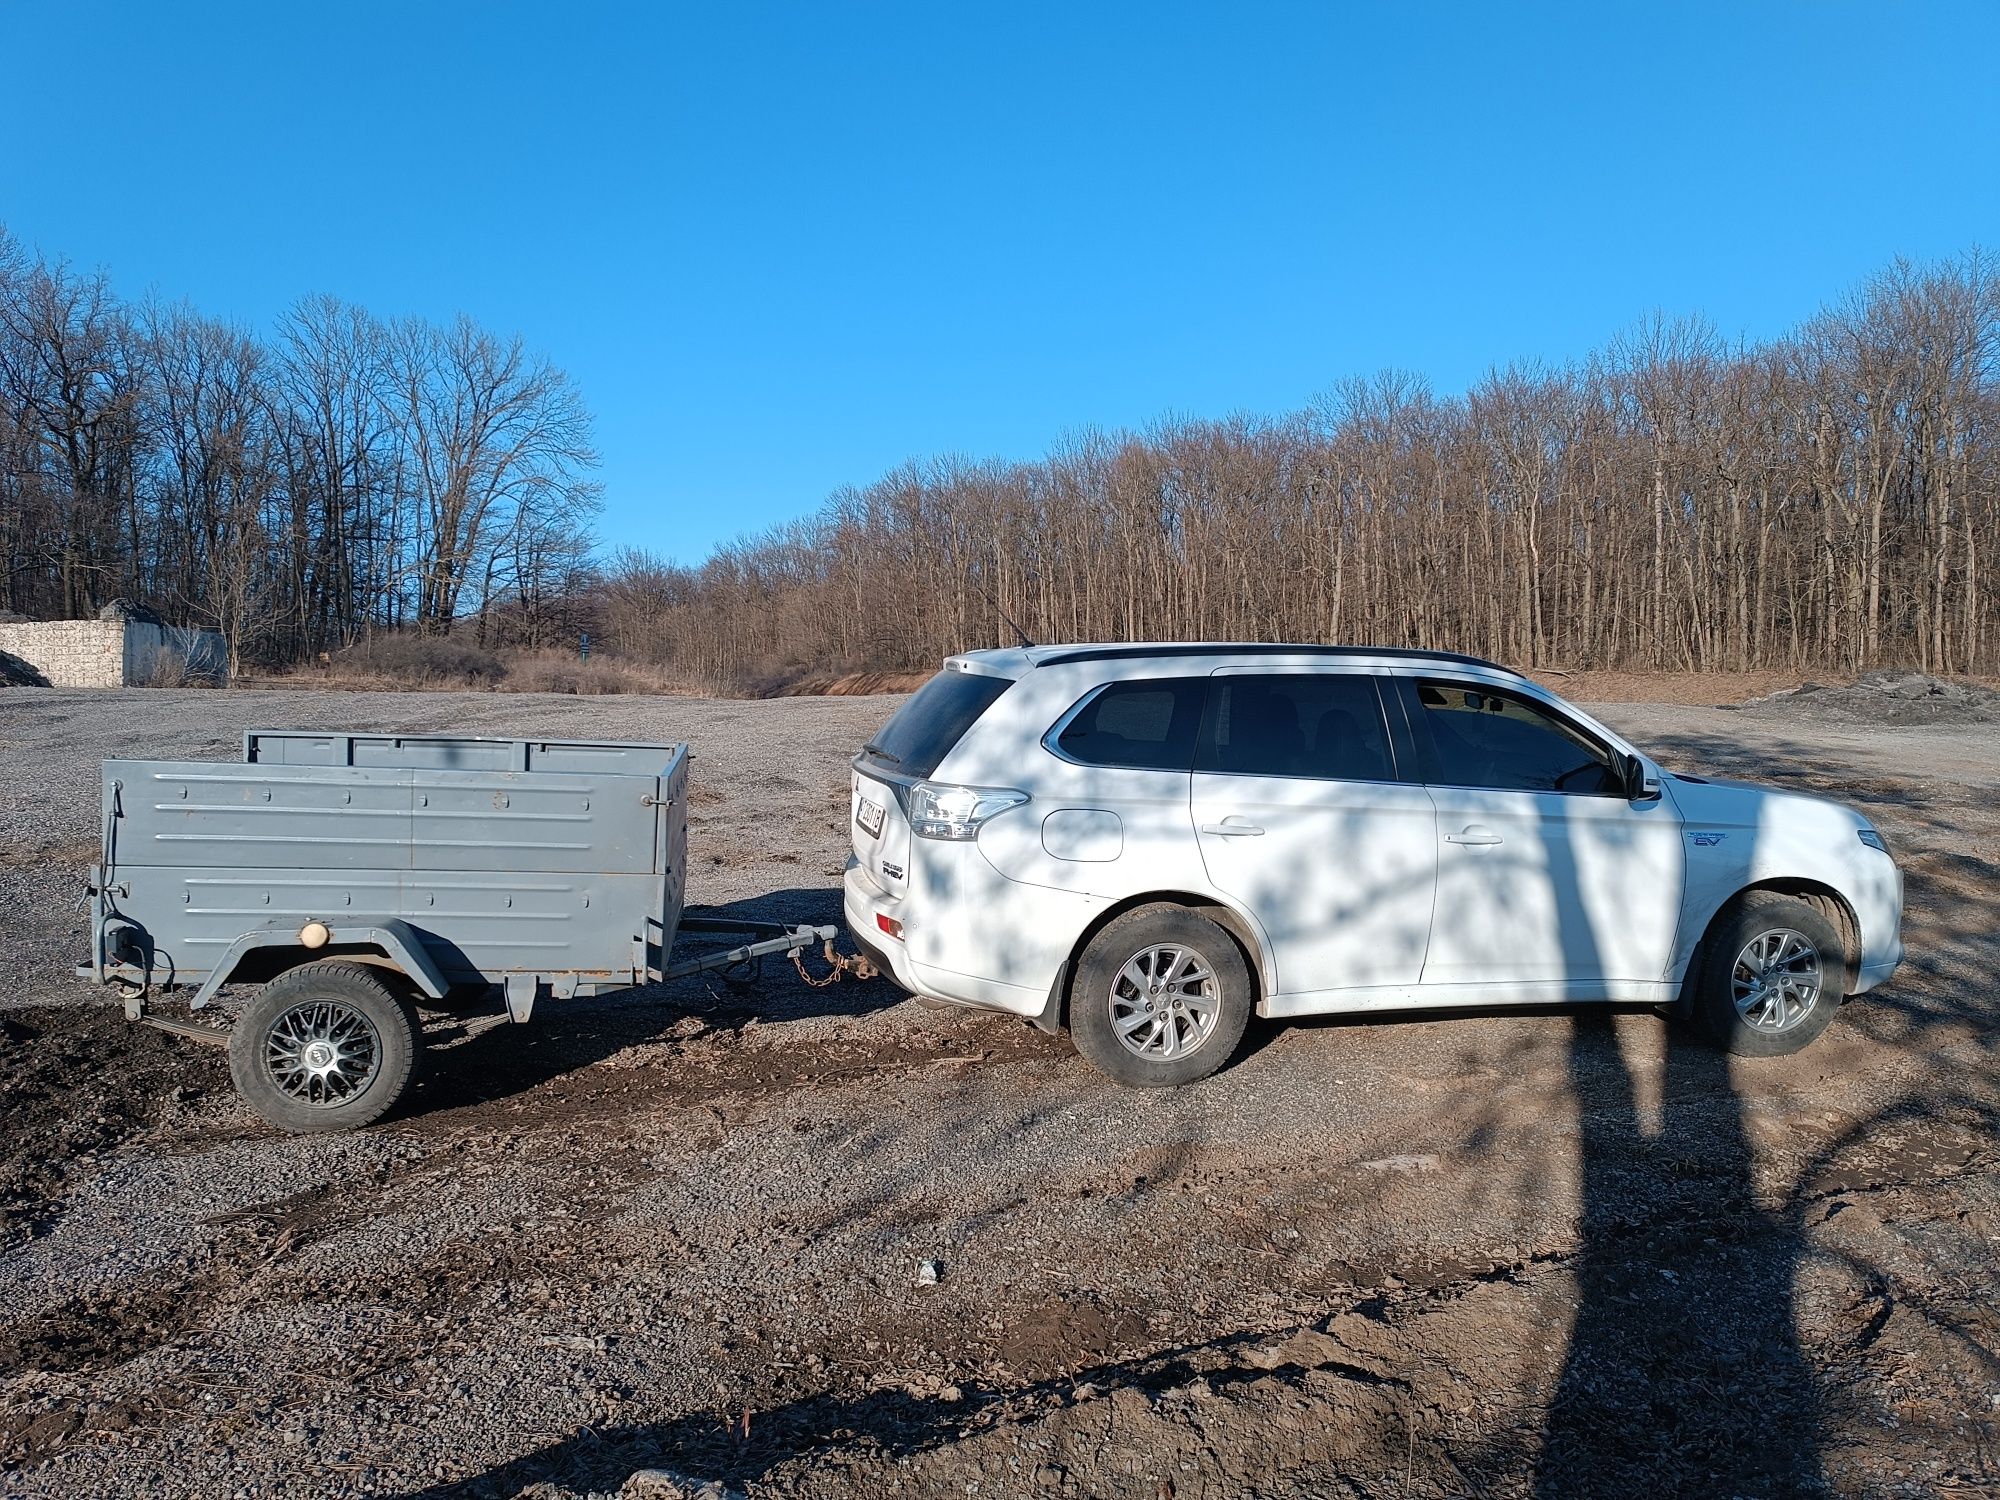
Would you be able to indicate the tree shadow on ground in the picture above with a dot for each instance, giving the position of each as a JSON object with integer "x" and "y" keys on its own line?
{"x": 1683, "y": 1372}
{"x": 476, "y": 1059}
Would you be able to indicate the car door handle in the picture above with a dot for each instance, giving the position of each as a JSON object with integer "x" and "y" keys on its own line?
{"x": 1477, "y": 834}
{"x": 1233, "y": 828}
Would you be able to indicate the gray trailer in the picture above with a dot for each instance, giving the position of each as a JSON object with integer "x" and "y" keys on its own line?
{"x": 354, "y": 876}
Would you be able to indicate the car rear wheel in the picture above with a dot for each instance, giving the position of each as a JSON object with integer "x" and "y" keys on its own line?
{"x": 1769, "y": 977}
{"x": 1161, "y": 997}
{"x": 329, "y": 1046}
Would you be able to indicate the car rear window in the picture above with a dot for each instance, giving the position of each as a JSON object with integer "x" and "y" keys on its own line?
{"x": 1144, "y": 725}
{"x": 922, "y": 732}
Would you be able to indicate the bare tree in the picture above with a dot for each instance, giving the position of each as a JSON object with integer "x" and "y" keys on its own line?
{"x": 490, "y": 433}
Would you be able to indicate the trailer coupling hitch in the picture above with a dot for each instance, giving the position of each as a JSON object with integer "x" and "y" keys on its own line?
{"x": 839, "y": 964}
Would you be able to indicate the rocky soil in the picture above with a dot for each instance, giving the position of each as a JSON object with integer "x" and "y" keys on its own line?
{"x": 797, "y": 1242}
{"x": 1883, "y": 698}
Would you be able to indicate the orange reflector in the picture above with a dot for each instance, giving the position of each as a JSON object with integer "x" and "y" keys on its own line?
{"x": 889, "y": 925}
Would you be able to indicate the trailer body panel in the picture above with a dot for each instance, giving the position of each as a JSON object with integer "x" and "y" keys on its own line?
{"x": 563, "y": 861}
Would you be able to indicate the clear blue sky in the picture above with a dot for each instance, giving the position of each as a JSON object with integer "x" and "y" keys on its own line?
{"x": 785, "y": 247}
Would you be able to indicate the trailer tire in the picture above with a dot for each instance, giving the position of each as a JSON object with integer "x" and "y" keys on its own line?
{"x": 324, "y": 1047}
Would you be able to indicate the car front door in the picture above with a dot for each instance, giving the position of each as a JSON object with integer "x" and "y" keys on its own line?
{"x": 1302, "y": 819}
{"x": 1551, "y": 881}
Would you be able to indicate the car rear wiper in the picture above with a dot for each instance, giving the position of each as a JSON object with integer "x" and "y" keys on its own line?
{"x": 871, "y": 748}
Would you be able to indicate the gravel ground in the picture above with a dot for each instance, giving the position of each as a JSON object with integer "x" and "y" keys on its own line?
{"x": 675, "y": 1238}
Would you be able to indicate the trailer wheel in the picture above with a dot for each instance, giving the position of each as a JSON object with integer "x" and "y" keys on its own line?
{"x": 328, "y": 1046}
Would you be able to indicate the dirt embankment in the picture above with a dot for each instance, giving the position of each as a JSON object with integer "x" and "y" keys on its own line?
{"x": 16, "y": 673}
{"x": 1883, "y": 698}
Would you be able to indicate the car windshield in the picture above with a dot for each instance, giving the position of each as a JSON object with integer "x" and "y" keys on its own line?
{"x": 922, "y": 732}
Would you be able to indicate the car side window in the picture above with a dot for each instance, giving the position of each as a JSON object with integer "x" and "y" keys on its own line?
{"x": 1147, "y": 724}
{"x": 1321, "y": 724}
{"x": 1494, "y": 739}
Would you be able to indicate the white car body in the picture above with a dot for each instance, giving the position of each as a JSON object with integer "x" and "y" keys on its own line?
{"x": 1397, "y": 892}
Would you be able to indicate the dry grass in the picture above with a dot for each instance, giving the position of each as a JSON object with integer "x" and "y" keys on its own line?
{"x": 1691, "y": 688}
{"x": 564, "y": 672}
{"x": 1590, "y": 686}
{"x": 172, "y": 669}
{"x": 418, "y": 664}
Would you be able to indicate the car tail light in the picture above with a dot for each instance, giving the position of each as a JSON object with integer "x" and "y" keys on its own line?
{"x": 941, "y": 811}
{"x": 889, "y": 925}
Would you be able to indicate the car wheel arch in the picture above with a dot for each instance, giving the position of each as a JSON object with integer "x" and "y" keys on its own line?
{"x": 1827, "y": 900}
{"x": 1242, "y": 930}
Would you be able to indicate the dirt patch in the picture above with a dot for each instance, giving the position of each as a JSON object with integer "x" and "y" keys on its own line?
{"x": 844, "y": 684}
{"x": 99, "y": 1331}
{"x": 74, "y": 852}
{"x": 76, "y": 1083}
{"x": 722, "y": 1063}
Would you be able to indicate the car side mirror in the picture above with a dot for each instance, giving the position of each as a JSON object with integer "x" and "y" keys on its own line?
{"x": 1641, "y": 785}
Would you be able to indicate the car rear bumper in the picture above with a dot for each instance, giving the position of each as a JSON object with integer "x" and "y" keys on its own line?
{"x": 864, "y": 903}
{"x": 1872, "y": 974}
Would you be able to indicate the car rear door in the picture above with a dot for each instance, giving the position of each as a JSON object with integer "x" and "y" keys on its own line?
{"x": 1304, "y": 818}
{"x": 1548, "y": 875}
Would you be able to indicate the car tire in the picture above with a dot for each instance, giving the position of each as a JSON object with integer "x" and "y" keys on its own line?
{"x": 1181, "y": 1031}
{"x": 1769, "y": 977}
{"x": 328, "y": 1046}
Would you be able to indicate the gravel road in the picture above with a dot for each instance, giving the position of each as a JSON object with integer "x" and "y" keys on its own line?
{"x": 674, "y": 1239}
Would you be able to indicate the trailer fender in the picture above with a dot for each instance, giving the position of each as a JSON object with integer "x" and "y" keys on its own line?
{"x": 396, "y": 939}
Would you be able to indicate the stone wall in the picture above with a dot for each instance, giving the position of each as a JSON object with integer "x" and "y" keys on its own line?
{"x": 71, "y": 653}
{"x": 115, "y": 653}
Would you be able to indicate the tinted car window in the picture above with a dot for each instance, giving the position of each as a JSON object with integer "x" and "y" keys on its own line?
{"x": 1297, "y": 724}
{"x": 1146, "y": 725}
{"x": 1490, "y": 739}
{"x": 923, "y": 731}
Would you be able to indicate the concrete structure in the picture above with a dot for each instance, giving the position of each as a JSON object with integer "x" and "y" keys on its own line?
{"x": 117, "y": 652}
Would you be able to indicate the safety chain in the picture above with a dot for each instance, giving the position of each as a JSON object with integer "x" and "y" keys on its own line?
{"x": 856, "y": 964}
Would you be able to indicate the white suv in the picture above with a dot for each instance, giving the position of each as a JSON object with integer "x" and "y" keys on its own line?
{"x": 1147, "y": 842}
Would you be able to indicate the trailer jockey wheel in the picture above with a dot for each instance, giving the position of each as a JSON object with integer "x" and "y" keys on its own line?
{"x": 328, "y": 1046}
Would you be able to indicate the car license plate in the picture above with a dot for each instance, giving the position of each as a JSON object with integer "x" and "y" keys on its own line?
{"x": 869, "y": 816}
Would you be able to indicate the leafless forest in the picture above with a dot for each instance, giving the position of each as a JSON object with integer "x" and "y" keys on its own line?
{"x": 347, "y": 475}
{"x": 1829, "y": 500}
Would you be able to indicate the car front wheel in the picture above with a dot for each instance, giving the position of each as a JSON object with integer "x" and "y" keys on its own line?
{"x": 1770, "y": 976}
{"x": 1161, "y": 997}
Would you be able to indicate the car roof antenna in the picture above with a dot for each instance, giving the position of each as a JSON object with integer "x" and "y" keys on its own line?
{"x": 1002, "y": 613}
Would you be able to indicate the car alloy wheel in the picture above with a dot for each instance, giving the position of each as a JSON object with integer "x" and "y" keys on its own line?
{"x": 1776, "y": 980}
{"x": 1163, "y": 1002}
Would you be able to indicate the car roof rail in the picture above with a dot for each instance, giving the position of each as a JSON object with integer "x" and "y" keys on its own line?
{"x": 1128, "y": 652}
